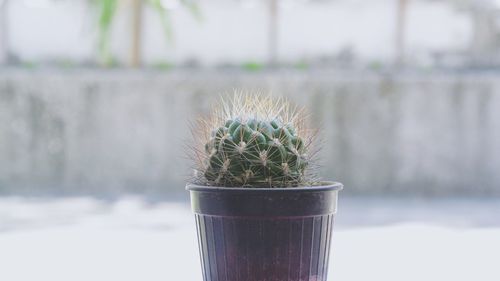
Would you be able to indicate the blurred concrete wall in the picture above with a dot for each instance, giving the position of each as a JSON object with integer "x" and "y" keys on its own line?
{"x": 108, "y": 132}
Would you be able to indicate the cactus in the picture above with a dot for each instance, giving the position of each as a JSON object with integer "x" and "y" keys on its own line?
{"x": 254, "y": 141}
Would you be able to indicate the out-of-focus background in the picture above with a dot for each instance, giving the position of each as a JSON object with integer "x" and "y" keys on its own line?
{"x": 96, "y": 97}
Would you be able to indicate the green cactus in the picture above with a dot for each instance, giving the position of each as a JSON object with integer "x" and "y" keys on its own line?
{"x": 254, "y": 150}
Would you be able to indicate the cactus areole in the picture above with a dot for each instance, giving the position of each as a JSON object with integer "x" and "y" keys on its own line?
{"x": 261, "y": 212}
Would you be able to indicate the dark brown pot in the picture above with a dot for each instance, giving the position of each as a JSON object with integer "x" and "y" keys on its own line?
{"x": 264, "y": 234}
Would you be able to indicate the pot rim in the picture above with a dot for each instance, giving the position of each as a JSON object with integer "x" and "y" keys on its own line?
{"x": 323, "y": 186}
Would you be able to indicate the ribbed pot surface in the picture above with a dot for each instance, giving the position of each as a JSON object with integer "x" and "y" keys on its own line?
{"x": 264, "y": 234}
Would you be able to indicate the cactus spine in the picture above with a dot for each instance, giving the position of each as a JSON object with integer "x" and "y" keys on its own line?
{"x": 254, "y": 141}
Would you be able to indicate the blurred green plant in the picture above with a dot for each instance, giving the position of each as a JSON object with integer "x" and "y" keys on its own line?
{"x": 163, "y": 66}
{"x": 252, "y": 66}
{"x": 375, "y": 65}
{"x": 106, "y": 10}
{"x": 29, "y": 65}
{"x": 301, "y": 65}
{"x": 65, "y": 63}
{"x": 165, "y": 17}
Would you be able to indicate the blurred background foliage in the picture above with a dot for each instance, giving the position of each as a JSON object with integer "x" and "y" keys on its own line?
{"x": 253, "y": 34}
{"x": 106, "y": 10}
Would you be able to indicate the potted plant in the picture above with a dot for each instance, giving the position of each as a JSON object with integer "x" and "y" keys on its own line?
{"x": 261, "y": 213}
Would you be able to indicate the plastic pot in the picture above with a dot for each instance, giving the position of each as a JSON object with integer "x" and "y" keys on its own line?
{"x": 264, "y": 234}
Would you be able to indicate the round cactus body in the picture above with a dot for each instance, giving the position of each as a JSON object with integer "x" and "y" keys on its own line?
{"x": 254, "y": 142}
{"x": 255, "y": 152}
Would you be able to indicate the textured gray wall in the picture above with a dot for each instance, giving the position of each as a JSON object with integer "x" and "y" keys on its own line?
{"x": 108, "y": 132}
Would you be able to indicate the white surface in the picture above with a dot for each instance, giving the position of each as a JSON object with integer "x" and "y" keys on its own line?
{"x": 86, "y": 239}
